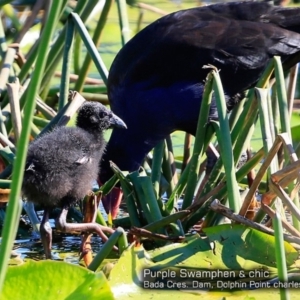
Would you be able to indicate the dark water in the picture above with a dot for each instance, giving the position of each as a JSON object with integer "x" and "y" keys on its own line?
{"x": 64, "y": 246}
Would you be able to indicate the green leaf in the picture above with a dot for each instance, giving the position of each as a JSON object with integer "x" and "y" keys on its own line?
{"x": 238, "y": 241}
{"x": 295, "y": 130}
{"x": 54, "y": 280}
{"x": 231, "y": 248}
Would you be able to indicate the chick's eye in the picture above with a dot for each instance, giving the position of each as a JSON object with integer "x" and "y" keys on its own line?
{"x": 103, "y": 114}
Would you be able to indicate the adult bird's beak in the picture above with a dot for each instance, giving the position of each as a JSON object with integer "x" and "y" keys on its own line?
{"x": 115, "y": 121}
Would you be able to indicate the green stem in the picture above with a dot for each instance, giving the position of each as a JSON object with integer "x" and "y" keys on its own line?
{"x": 224, "y": 140}
{"x": 156, "y": 166}
{"x": 199, "y": 142}
{"x": 106, "y": 249}
{"x": 13, "y": 210}
{"x": 280, "y": 256}
{"x": 96, "y": 40}
{"x": 123, "y": 20}
{"x": 90, "y": 47}
{"x": 65, "y": 73}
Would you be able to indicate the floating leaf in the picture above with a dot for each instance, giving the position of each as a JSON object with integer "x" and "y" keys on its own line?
{"x": 54, "y": 280}
{"x": 171, "y": 271}
{"x": 238, "y": 241}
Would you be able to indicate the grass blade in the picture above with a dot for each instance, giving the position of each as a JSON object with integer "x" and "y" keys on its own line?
{"x": 199, "y": 141}
{"x": 224, "y": 140}
{"x": 13, "y": 211}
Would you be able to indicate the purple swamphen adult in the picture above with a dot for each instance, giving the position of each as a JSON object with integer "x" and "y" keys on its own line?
{"x": 156, "y": 81}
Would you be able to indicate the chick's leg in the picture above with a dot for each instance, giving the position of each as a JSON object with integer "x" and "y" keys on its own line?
{"x": 62, "y": 225}
{"x": 46, "y": 233}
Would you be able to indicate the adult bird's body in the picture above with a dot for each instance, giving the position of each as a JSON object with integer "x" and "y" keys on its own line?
{"x": 156, "y": 81}
{"x": 62, "y": 165}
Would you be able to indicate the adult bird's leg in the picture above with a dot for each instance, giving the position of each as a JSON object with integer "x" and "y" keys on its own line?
{"x": 62, "y": 225}
{"x": 46, "y": 233}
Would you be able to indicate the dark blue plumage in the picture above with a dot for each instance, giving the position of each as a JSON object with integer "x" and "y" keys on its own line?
{"x": 156, "y": 81}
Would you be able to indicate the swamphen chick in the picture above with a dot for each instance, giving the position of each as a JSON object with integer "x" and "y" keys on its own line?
{"x": 156, "y": 81}
{"x": 62, "y": 165}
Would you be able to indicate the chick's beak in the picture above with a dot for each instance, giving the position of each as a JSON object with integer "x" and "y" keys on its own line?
{"x": 115, "y": 121}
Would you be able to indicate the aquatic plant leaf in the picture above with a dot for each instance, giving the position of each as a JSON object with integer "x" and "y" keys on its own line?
{"x": 250, "y": 244}
{"x": 295, "y": 130}
{"x": 295, "y": 133}
{"x": 129, "y": 278}
{"x": 227, "y": 247}
{"x": 55, "y": 280}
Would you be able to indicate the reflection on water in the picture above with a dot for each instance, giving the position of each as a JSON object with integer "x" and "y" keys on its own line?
{"x": 64, "y": 246}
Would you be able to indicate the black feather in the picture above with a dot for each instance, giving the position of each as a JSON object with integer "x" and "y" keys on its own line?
{"x": 156, "y": 81}
{"x": 62, "y": 165}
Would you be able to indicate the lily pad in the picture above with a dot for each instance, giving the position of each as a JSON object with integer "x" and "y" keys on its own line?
{"x": 238, "y": 241}
{"x": 227, "y": 247}
{"x": 55, "y": 280}
{"x": 171, "y": 271}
